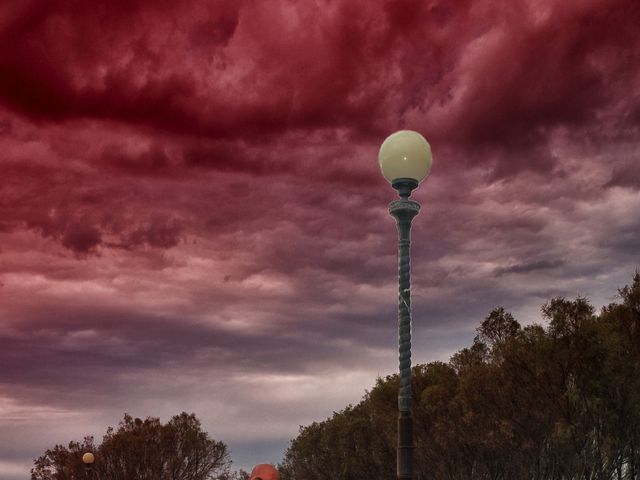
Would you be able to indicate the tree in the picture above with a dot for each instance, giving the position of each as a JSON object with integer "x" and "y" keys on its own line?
{"x": 62, "y": 463}
{"x": 520, "y": 403}
{"x": 238, "y": 475}
{"x": 497, "y": 328}
{"x": 142, "y": 450}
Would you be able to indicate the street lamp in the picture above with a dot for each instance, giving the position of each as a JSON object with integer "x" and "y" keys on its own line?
{"x": 88, "y": 459}
{"x": 405, "y": 160}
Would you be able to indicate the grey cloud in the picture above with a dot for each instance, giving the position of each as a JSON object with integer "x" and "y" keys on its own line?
{"x": 529, "y": 267}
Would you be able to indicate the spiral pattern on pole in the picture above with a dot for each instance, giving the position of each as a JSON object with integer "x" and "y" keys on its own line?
{"x": 404, "y": 211}
{"x": 404, "y": 325}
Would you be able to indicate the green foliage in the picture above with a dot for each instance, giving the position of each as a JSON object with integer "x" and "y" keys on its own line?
{"x": 141, "y": 450}
{"x": 561, "y": 402}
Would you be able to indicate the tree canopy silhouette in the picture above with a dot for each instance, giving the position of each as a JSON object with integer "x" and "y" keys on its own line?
{"x": 532, "y": 403}
{"x": 141, "y": 450}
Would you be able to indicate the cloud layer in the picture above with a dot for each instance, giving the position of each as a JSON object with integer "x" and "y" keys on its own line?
{"x": 192, "y": 216}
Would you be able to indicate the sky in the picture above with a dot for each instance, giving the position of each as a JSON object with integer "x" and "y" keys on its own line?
{"x": 192, "y": 215}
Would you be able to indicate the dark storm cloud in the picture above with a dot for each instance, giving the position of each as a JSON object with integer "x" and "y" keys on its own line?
{"x": 529, "y": 267}
{"x": 153, "y": 161}
{"x": 73, "y": 352}
{"x": 626, "y": 173}
{"x": 65, "y": 62}
{"x": 500, "y": 99}
{"x": 553, "y": 67}
{"x": 49, "y": 48}
{"x": 69, "y": 206}
{"x": 192, "y": 216}
{"x": 555, "y": 70}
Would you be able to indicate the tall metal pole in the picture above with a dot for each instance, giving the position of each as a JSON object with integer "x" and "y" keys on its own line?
{"x": 403, "y": 211}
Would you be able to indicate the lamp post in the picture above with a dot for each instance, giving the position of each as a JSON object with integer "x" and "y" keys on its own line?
{"x": 405, "y": 160}
{"x": 88, "y": 459}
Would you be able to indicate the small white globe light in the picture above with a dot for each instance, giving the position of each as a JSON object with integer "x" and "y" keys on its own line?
{"x": 88, "y": 458}
{"x": 405, "y": 154}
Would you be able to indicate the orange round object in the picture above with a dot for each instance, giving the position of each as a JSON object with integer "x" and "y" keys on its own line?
{"x": 264, "y": 471}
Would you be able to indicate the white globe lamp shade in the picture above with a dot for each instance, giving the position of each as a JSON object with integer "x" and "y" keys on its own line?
{"x": 405, "y": 154}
